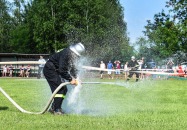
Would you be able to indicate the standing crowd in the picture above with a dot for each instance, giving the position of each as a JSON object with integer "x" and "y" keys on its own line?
{"x": 128, "y": 69}
{"x": 133, "y": 67}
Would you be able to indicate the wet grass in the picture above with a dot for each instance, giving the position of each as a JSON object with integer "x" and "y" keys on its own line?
{"x": 148, "y": 104}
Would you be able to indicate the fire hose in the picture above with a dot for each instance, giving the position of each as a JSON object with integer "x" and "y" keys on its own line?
{"x": 50, "y": 99}
{"x": 45, "y": 108}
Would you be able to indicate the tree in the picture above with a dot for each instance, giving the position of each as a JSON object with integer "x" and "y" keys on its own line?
{"x": 21, "y": 33}
{"x": 48, "y": 26}
{"x": 146, "y": 49}
{"x": 169, "y": 31}
{"x": 98, "y": 24}
{"x": 5, "y": 27}
{"x": 18, "y": 11}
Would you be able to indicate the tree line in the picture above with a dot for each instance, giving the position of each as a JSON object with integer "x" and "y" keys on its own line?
{"x": 46, "y": 26}
{"x": 167, "y": 33}
{"x": 165, "y": 37}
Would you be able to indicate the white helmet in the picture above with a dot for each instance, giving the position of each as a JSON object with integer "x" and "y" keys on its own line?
{"x": 77, "y": 48}
{"x": 133, "y": 57}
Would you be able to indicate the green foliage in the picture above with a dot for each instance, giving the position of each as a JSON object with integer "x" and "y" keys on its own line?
{"x": 169, "y": 31}
{"x": 5, "y": 27}
{"x": 150, "y": 104}
{"x": 51, "y": 25}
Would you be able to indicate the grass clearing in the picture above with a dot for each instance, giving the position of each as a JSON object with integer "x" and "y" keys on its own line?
{"x": 149, "y": 104}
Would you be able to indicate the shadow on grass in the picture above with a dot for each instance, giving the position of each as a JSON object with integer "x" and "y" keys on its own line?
{"x": 3, "y": 108}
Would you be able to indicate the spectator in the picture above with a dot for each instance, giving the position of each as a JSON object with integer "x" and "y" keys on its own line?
{"x": 180, "y": 71}
{"x": 41, "y": 66}
{"x": 170, "y": 66}
{"x": 28, "y": 70}
{"x": 126, "y": 70}
{"x": 142, "y": 67}
{"x": 102, "y": 66}
{"x": 4, "y": 71}
{"x": 22, "y": 71}
{"x": 11, "y": 69}
{"x": 110, "y": 67}
{"x": 140, "y": 64}
{"x": 118, "y": 67}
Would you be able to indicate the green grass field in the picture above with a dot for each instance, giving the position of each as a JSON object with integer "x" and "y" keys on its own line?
{"x": 146, "y": 105}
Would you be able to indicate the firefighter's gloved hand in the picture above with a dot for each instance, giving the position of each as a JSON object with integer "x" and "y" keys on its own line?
{"x": 74, "y": 82}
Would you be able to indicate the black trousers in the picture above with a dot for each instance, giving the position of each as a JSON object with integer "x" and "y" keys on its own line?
{"x": 131, "y": 74}
{"x": 54, "y": 80}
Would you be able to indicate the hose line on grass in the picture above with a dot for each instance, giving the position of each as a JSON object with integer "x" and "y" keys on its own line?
{"x": 51, "y": 98}
{"x": 45, "y": 108}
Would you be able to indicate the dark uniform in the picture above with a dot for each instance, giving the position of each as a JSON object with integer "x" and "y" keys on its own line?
{"x": 134, "y": 67}
{"x": 60, "y": 67}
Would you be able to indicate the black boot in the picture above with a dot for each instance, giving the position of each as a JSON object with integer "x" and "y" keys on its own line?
{"x": 58, "y": 112}
{"x": 56, "y": 106}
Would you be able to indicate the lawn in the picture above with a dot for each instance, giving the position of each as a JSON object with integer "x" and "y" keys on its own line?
{"x": 145, "y": 105}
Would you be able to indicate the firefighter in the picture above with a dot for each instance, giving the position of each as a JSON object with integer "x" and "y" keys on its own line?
{"x": 61, "y": 66}
{"x": 133, "y": 66}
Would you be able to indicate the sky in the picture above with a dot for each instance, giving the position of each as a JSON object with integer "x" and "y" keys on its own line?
{"x": 137, "y": 12}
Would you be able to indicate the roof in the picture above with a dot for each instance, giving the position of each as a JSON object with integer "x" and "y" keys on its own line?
{"x": 20, "y": 54}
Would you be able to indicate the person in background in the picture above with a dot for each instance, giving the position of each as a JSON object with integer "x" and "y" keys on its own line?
{"x": 133, "y": 66}
{"x": 22, "y": 71}
{"x": 118, "y": 67}
{"x": 61, "y": 67}
{"x": 143, "y": 67}
{"x": 126, "y": 70}
{"x": 102, "y": 66}
{"x": 110, "y": 67}
{"x": 41, "y": 66}
{"x": 170, "y": 66}
{"x": 4, "y": 71}
{"x": 180, "y": 71}
{"x": 11, "y": 69}
{"x": 28, "y": 70}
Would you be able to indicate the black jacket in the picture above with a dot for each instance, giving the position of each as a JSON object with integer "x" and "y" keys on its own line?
{"x": 133, "y": 65}
{"x": 64, "y": 62}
